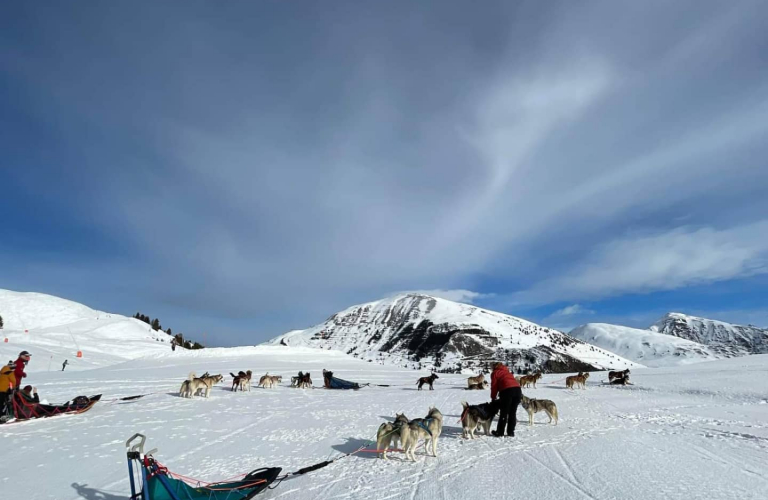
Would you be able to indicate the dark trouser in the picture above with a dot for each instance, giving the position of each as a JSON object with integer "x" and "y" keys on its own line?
{"x": 5, "y": 399}
{"x": 509, "y": 399}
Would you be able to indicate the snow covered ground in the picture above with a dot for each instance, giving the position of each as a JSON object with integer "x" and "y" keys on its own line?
{"x": 55, "y": 329}
{"x": 696, "y": 431}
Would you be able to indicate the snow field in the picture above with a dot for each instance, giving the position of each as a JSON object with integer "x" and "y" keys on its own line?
{"x": 698, "y": 431}
{"x": 55, "y": 329}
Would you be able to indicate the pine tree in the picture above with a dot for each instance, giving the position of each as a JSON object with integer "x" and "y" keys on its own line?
{"x": 168, "y": 331}
{"x": 1, "y": 321}
{"x": 156, "y": 324}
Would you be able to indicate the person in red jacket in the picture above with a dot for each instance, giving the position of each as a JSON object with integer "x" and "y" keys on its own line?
{"x": 18, "y": 370}
{"x": 505, "y": 386}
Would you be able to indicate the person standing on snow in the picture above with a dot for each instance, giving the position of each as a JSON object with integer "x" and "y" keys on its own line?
{"x": 66, "y": 362}
{"x": 7, "y": 384}
{"x": 21, "y": 363}
{"x": 505, "y": 386}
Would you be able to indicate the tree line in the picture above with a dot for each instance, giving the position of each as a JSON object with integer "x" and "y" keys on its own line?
{"x": 178, "y": 338}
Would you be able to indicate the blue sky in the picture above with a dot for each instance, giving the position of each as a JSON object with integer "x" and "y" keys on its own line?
{"x": 246, "y": 168}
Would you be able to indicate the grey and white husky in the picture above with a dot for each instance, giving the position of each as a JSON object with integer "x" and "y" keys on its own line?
{"x": 533, "y": 406}
{"x": 475, "y": 415}
{"x": 428, "y": 428}
{"x": 389, "y": 434}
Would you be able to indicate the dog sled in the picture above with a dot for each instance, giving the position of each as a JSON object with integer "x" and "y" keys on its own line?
{"x": 24, "y": 409}
{"x": 332, "y": 382}
{"x": 150, "y": 480}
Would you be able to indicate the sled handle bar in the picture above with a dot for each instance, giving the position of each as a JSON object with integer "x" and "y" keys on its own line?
{"x": 139, "y": 447}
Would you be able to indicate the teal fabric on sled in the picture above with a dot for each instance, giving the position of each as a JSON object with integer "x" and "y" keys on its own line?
{"x": 252, "y": 484}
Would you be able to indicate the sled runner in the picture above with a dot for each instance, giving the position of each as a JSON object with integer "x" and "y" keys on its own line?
{"x": 150, "y": 480}
{"x": 24, "y": 409}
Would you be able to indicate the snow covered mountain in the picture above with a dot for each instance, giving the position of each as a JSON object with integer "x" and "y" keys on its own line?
{"x": 649, "y": 347}
{"x": 424, "y": 332}
{"x": 55, "y": 329}
{"x": 750, "y": 339}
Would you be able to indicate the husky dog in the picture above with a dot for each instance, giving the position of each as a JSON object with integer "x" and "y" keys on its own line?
{"x": 301, "y": 381}
{"x": 389, "y": 434}
{"x": 475, "y": 380}
{"x": 624, "y": 380}
{"x": 527, "y": 380}
{"x": 208, "y": 381}
{"x": 533, "y": 406}
{"x": 577, "y": 380}
{"x": 186, "y": 390}
{"x": 476, "y": 415}
{"x": 242, "y": 380}
{"x": 428, "y": 428}
{"x": 194, "y": 386}
{"x": 478, "y": 387}
{"x": 268, "y": 381}
{"x": 618, "y": 374}
{"x": 428, "y": 380}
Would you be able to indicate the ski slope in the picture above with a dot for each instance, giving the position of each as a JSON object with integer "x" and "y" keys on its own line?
{"x": 696, "y": 431}
{"x": 54, "y": 329}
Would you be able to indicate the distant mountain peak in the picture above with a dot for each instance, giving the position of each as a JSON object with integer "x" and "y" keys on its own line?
{"x": 711, "y": 332}
{"x": 422, "y": 331}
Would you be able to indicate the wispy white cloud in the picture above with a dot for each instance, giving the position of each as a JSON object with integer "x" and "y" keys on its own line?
{"x": 572, "y": 310}
{"x": 664, "y": 261}
{"x": 465, "y": 296}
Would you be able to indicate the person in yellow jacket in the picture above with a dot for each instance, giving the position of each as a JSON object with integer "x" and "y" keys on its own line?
{"x": 7, "y": 384}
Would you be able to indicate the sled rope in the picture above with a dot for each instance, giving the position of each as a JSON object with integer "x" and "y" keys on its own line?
{"x": 364, "y": 448}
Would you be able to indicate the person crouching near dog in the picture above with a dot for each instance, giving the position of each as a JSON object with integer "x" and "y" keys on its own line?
{"x": 505, "y": 386}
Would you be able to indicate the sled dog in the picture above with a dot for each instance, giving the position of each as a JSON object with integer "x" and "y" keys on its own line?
{"x": 209, "y": 381}
{"x": 475, "y": 380}
{"x": 427, "y": 428}
{"x": 527, "y": 380}
{"x": 618, "y": 374}
{"x": 194, "y": 386}
{"x": 474, "y": 416}
{"x": 389, "y": 434}
{"x": 268, "y": 381}
{"x": 533, "y": 406}
{"x": 303, "y": 380}
{"x": 621, "y": 380}
{"x": 242, "y": 380}
{"x": 478, "y": 387}
{"x": 577, "y": 380}
{"x": 428, "y": 380}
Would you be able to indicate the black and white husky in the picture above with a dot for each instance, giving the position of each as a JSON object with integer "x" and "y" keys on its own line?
{"x": 428, "y": 428}
{"x": 475, "y": 415}
{"x": 389, "y": 434}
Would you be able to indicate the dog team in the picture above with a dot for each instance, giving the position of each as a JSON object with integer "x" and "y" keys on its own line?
{"x": 201, "y": 386}
{"x": 506, "y": 396}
